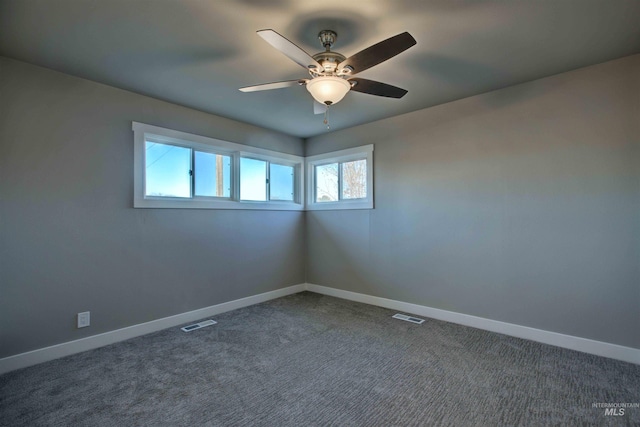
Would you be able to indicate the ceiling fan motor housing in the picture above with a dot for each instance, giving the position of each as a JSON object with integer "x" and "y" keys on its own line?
{"x": 329, "y": 62}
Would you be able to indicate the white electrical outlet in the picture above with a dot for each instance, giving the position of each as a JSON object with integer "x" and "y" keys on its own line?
{"x": 84, "y": 319}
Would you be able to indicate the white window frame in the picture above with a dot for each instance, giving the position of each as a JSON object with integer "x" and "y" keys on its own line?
{"x": 364, "y": 152}
{"x": 142, "y": 132}
{"x": 298, "y": 167}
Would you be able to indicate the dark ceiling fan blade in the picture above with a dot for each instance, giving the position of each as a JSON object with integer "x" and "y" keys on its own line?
{"x": 287, "y": 47}
{"x": 274, "y": 85}
{"x": 376, "y": 88}
{"x": 379, "y": 52}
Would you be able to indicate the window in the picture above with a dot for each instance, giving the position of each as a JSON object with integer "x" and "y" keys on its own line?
{"x": 213, "y": 174}
{"x": 326, "y": 188}
{"x": 282, "y": 182}
{"x": 168, "y": 170}
{"x": 341, "y": 179}
{"x": 253, "y": 179}
{"x": 174, "y": 169}
{"x": 178, "y": 170}
{"x": 263, "y": 180}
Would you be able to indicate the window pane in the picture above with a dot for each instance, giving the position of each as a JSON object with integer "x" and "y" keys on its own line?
{"x": 213, "y": 175}
{"x": 327, "y": 183}
{"x": 168, "y": 170}
{"x": 281, "y": 182}
{"x": 253, "y": 179}
{"x": 354, "y": 179}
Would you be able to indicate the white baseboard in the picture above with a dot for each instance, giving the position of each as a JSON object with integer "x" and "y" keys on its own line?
{"x": 585, "y": 345}
{"x": 599, "y": 348}
{"x": 65, "y": 349}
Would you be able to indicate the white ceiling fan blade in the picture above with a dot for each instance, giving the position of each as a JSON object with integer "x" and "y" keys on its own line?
{"x": 287, "y": 47}
{"x": 318, "y": 108}
{"x": 274, "y": 85}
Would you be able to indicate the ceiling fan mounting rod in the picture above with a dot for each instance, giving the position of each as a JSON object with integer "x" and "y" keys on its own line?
{"x": 329, "y": 60}
{"x": 327, "y": 38}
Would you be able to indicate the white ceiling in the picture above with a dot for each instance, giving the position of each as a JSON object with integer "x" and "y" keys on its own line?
{"x": 198, "y": 53}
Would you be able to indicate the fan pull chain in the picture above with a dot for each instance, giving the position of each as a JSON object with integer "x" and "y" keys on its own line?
{"x": 326, "y": 117}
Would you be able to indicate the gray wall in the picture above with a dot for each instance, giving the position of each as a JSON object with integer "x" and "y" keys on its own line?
{"x": 70, "y": 240}
{"x": 520, "y": 205}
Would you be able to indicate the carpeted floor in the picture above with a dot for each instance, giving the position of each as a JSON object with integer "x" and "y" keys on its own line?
{"x": 313, "y": 360}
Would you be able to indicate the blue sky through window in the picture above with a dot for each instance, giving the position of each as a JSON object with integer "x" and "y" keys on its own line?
{"x": 253, "y": 179}
{"x": 206, "y": 175}
{"x": 168, "y": 175}
{"x": 167, "y": 170}
{"x": 281, "y": 182}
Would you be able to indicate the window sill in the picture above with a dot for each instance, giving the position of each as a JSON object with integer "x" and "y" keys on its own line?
{"x": 171, "y": 203}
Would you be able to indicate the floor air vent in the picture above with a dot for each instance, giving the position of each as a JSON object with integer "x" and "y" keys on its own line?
{"x": 199, "y": 325}
{"x": 408, "y": 318}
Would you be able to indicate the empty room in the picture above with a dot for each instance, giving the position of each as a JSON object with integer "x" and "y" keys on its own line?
{"x": 304, "y": 213}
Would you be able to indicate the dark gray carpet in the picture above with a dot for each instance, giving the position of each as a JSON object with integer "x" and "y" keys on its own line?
{"x": 312, "y": 360}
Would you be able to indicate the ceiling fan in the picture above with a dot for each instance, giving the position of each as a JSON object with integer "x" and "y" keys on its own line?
{"x": 331, "y": 72}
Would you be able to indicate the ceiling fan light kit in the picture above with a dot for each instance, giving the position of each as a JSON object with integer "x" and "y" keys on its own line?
{"x": 331, "y": 72}
{"x": 328, "y": 90}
